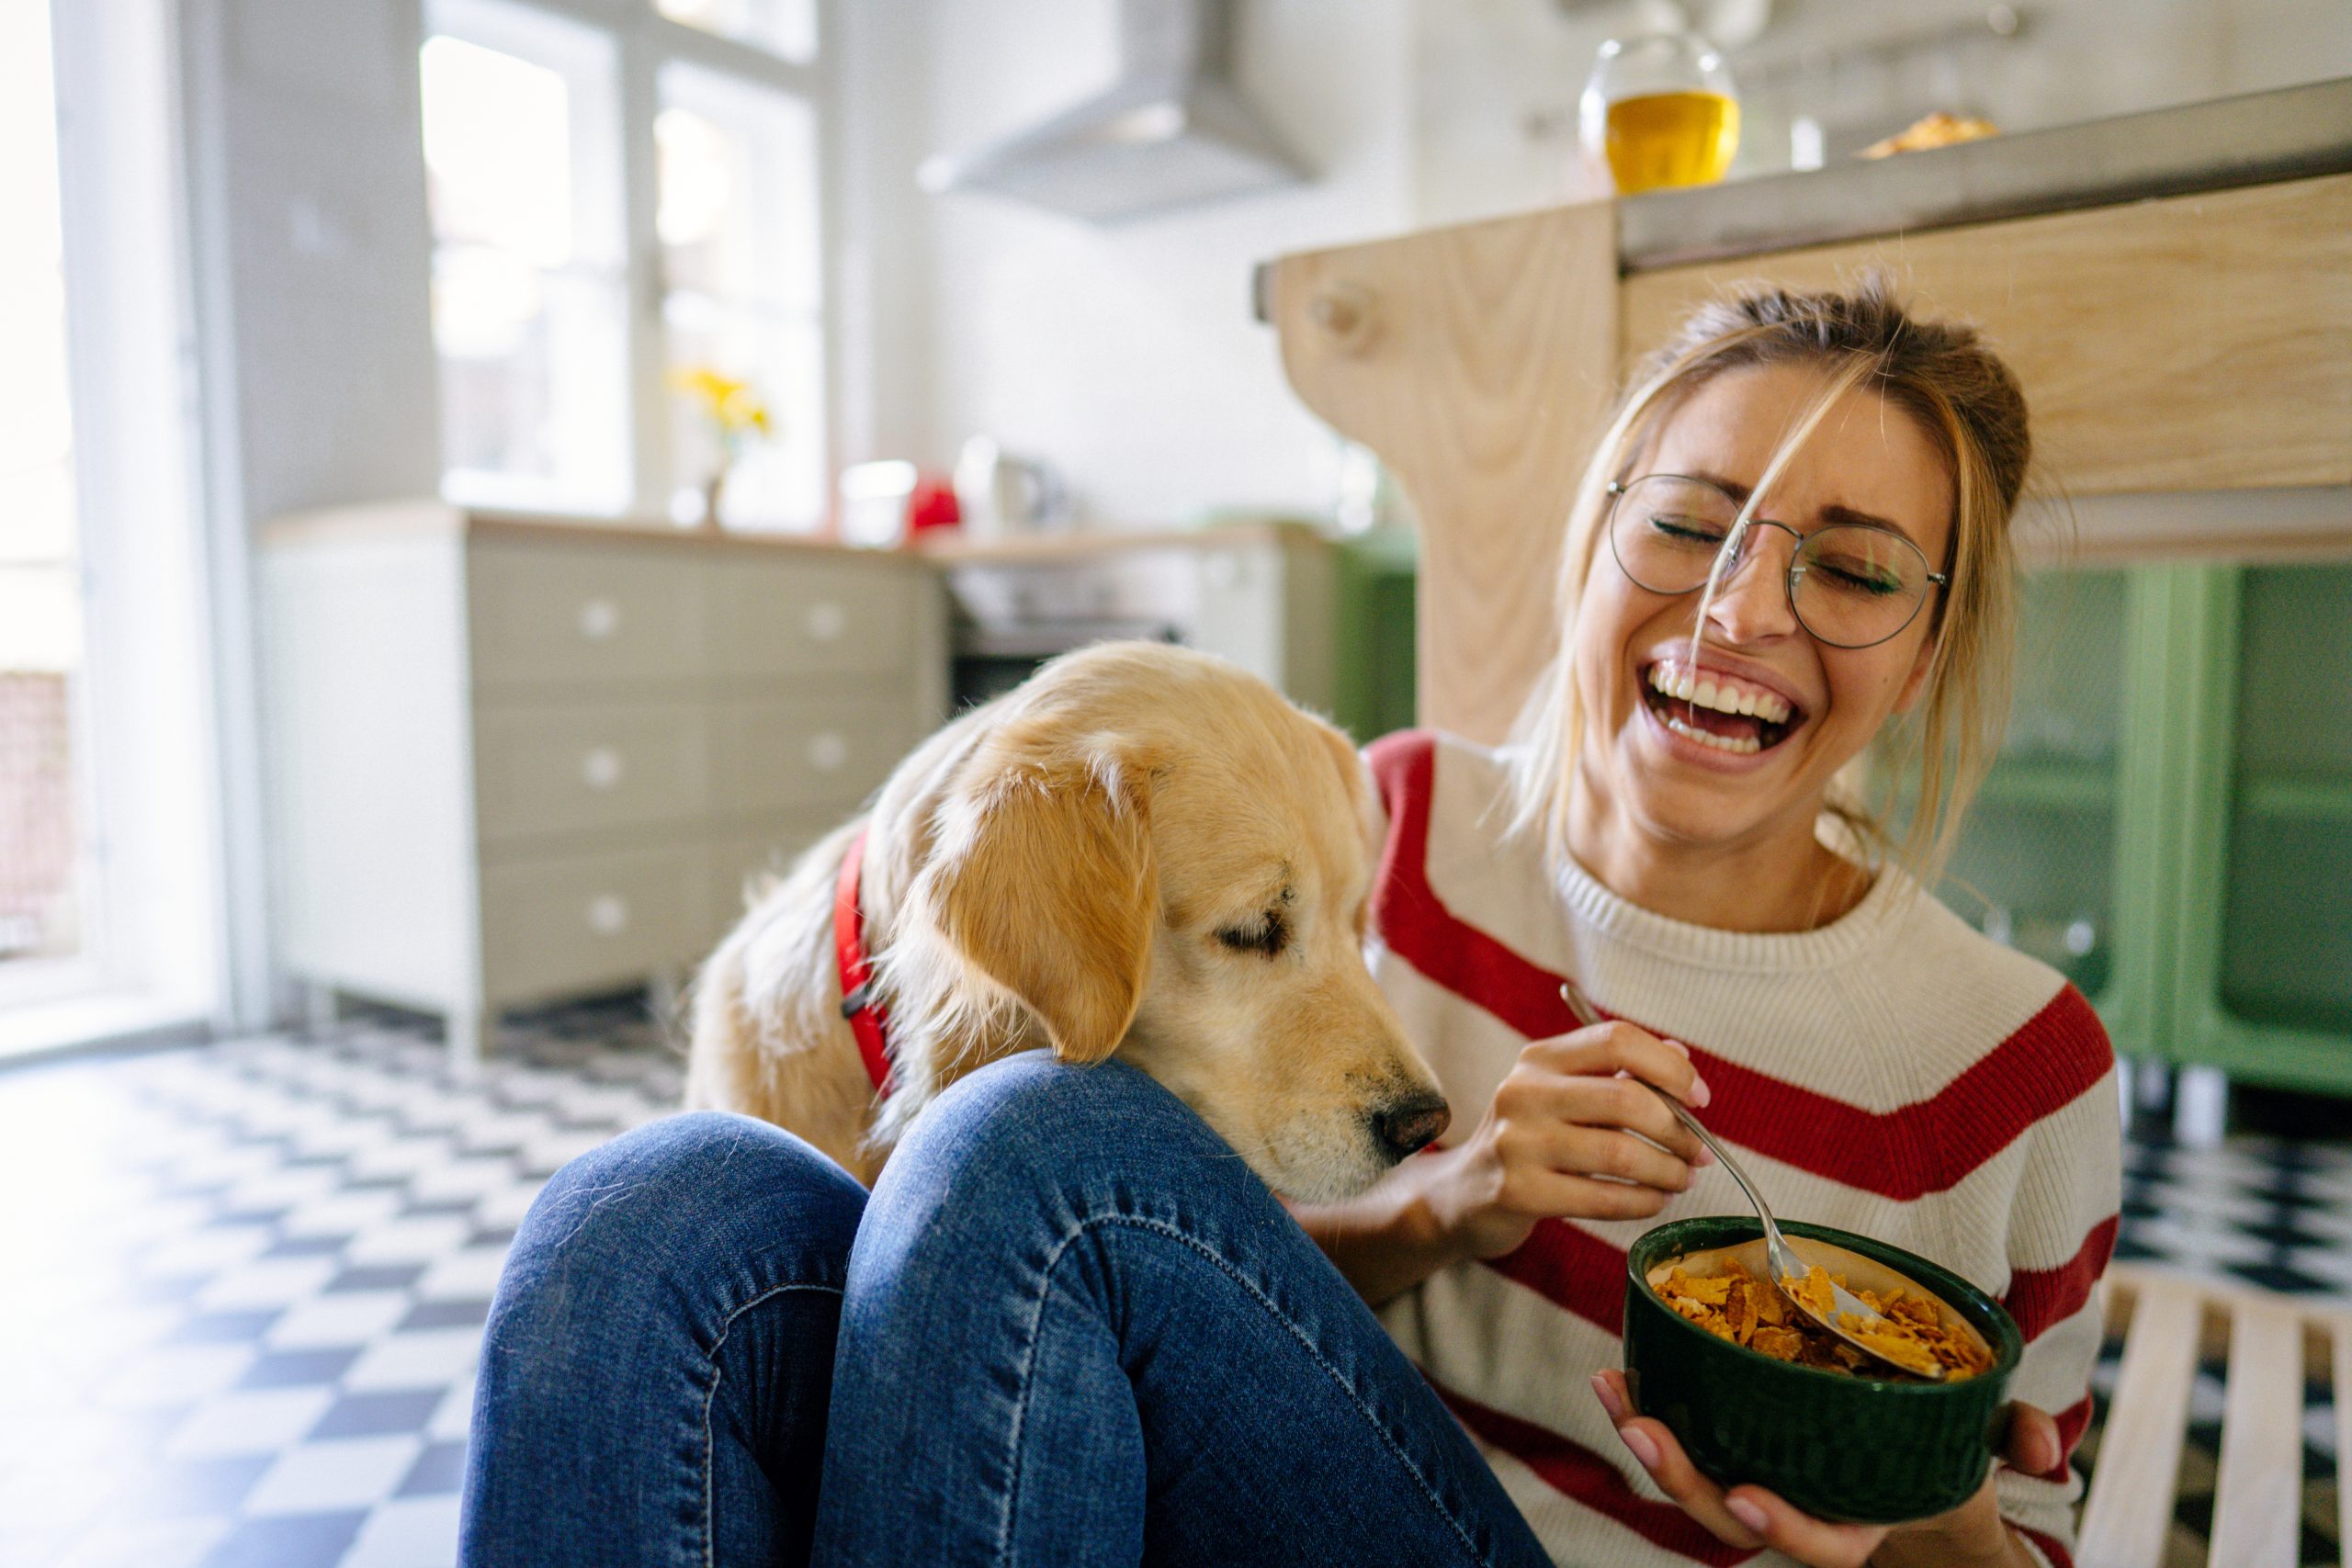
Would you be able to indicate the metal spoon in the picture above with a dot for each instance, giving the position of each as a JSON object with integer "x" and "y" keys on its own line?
{"x": 1784, "y": 1262}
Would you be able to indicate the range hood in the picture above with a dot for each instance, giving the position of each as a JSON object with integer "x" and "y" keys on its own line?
{"x": 1170, "y": 130}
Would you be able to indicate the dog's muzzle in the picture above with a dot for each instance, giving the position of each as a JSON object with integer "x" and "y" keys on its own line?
{"x": 1411, "y": 1124}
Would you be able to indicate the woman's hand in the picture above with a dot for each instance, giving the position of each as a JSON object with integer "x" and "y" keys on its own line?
{"x": 1558, "y": 1140}
{"x": 1750, "y": 1517}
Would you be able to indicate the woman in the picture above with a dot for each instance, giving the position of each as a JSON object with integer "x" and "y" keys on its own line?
{"x": 1089, "y": 1336}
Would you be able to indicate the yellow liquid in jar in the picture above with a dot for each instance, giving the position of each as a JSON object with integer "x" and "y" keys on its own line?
{"x": 1671, "y": 139}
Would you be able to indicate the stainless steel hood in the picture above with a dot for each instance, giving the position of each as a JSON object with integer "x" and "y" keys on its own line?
{"x": 1170, "y": 130}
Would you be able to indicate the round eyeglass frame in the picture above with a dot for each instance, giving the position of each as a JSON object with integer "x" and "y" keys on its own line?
{"x": 1618, "y": 489}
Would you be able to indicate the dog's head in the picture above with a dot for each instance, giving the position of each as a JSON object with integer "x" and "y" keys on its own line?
{"x": 1151, "y": 851}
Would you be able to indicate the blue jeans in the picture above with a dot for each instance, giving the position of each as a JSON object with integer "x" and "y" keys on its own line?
{"x": 1069, "y": 1328}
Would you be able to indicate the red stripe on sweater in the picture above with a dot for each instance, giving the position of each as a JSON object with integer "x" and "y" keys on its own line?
{"x": 1927, "y": 1146}
{"x": 1571, "y": 1268}
{"x": 2051, "y": 1547}
{"x": 2040, "y": 1298}
{"x": 2073, "y": 1422}
{"x": 1575, "y": 1472}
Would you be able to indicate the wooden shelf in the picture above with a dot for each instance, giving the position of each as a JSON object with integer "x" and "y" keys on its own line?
{"x": 2307, "y": 799}
{"x": 2050, "y": 783}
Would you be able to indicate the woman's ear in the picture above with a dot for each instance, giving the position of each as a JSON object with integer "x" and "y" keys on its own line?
{"x": 1046, "y": 886}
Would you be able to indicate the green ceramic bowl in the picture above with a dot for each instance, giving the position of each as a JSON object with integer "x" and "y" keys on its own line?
{"x": 1850, "y": 1449}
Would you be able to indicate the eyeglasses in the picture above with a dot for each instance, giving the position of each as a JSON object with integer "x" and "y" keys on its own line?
{"x": 1851, "y": 584}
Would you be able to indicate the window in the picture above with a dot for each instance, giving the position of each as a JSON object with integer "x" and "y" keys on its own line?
{"x": 737, "y": 221}
{"x": 786, "y": 26}
{"x": 43, "y": 852}
{"x": 113, "y": 917}
{"x": 560, "y": 148}
{"x": 530, "y": 295}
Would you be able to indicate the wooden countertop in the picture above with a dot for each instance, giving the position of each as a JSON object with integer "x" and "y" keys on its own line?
{"x": 934, "y": 548}
{"x": 950, "y": 547}
{"x": 436, "y": 518}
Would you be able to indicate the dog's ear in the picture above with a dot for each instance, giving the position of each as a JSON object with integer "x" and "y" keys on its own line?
{"x": 1052, "y": 894}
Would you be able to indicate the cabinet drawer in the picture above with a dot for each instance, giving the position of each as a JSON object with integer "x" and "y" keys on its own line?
{"x": 554, "y": 770}
{"x": 809, "y": 616}
{"x": 790, "y": 754}
{"x": 551, "y": 927}
{"x": 571, "y": 613}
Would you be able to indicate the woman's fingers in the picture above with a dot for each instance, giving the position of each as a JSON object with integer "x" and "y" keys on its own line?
{"x": 1539, "y": 1192}
{"x": 1570, "y": 1100}
{"x": 1800, "y": 1536}
{"x": 1609, "y": 1048}
{"x": 2032, "y": 1445}
{"x": 1746, "y": 1517}
{"x": 1620, "y": 1156}
{"x": 1656, "y": 1449}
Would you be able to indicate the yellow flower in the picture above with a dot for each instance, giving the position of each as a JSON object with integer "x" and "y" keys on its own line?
{"x": 727, "y": 403}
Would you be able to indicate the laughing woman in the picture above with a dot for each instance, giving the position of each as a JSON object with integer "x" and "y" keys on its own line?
{"x": 1073, "y": 1330}
{"x": 1795, "y": 530}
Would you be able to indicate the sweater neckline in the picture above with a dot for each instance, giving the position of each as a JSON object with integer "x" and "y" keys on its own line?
{"x": 1859, "y": 930}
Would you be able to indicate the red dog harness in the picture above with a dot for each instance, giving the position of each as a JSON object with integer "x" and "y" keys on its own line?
{"x": 866, "y": 1018}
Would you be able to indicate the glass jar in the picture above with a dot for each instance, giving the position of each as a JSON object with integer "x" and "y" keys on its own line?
{"x": 1660, "y": 110}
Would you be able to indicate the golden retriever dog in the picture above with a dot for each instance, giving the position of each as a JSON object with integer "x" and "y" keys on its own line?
{"x": 1143, "y": 849}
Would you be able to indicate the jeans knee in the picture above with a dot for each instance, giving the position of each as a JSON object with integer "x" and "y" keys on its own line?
{"x": 704, "y": 1196}
{"x": 1032, "y": 1127}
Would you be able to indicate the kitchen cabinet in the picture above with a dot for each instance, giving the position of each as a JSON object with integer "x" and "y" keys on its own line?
{"x": 2170, "y": 820}
{"x": 512, "y": 761}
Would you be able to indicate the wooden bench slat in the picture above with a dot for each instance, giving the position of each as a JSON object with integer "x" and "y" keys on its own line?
{"x": 2129, "y": 1513}
{"x": 2341, "y": 1354}
{"x": 2259, "y": 1497}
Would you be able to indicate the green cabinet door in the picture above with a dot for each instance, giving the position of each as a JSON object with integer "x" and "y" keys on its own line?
{"x": 2035, "y": 866}
{"x": 2265, "y": 987}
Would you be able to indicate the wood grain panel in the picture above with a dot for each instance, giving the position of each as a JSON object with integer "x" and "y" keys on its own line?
{"x": 2128, "y": 1516}
{"x": 2257, "y": 1495}
{"x": 2193, "y": 343}
{"x": 1477, "y": 361}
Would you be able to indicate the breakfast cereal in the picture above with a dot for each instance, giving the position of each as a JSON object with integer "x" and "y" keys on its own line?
{"x": 1737, "y": 1307}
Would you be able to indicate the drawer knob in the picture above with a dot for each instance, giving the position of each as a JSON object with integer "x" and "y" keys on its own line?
{"x": 828, "y": 751}
{"x": 607, "y": 914}
{"x": 826, "y": 621}
{"x": 599, "y": 619}
{"x": 601, "y": 768}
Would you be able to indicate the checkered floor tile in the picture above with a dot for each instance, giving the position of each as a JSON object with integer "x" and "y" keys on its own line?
{"x": 253, "y": 1281}
{"x": 248, "y": 1281}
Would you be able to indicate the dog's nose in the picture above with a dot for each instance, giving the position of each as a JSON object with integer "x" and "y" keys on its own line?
{"x": 1411, "y": 1124}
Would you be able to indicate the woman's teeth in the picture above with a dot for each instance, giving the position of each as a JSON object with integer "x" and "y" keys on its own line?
{"x": 1721, "y": 693}
{"x": 1741, "y": 744}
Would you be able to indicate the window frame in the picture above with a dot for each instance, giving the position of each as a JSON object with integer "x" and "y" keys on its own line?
{"x": 645, "y": 43}
{"x": 164, "y": 951}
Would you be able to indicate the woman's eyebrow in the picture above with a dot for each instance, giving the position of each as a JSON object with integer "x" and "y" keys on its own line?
{"x": 1832, "y": 513}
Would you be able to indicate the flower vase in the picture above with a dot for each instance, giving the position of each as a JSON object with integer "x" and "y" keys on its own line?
{"x": 713, "y": 488}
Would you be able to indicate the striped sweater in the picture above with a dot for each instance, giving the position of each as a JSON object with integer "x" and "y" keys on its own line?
{"x": 1894, "y": 1073}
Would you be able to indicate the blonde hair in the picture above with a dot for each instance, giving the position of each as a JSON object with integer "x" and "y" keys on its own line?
{"x": 1967, "y": 403}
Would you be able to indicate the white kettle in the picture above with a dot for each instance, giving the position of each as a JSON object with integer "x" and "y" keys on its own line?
{"x": 1000, "y": 494}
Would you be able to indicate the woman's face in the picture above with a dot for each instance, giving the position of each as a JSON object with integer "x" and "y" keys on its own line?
{"x": 1865, "y": 458}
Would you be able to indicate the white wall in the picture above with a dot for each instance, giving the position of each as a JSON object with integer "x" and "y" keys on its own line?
{"x": 312, "y": 249}
{"x": 1128, "y": 354}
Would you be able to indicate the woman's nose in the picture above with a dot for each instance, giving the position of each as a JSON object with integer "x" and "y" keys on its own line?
{"x": 1751, "y": 602}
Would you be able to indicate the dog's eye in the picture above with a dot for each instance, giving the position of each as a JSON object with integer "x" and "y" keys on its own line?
{"x": 1265, "y": 936}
